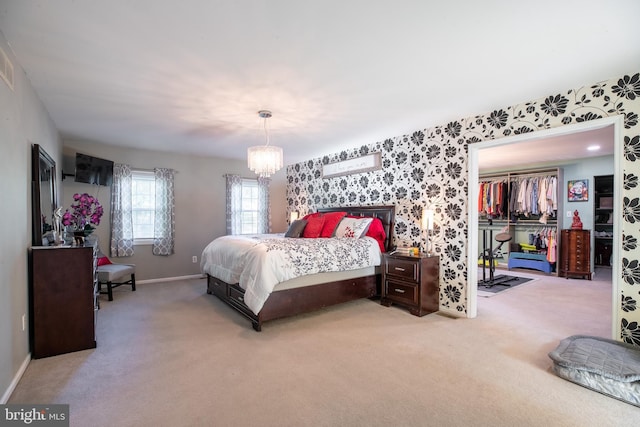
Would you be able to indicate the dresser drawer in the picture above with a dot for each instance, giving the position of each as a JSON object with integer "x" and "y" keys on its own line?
{"x": 401, "y": 292}
{"x": 403, "y": 268}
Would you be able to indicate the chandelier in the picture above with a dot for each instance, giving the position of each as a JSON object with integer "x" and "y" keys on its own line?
{"x": 266, "y": 159}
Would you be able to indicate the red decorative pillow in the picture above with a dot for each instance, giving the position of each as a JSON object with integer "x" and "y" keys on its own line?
{"x": 376, "y": 230}
{"x": 331, "y": 221}
{"x": 311, "y": 215}
{"x": 313, "y": 227}
{"x": 103, "y": 260}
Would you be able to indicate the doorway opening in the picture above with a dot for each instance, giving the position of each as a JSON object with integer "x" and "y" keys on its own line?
{"x": 511, "y": 145}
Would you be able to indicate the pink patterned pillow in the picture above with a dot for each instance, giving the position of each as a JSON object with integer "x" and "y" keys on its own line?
{"x": 353, "y": 227}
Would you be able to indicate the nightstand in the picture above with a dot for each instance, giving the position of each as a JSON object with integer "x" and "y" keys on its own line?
{"x": 411, "y": 281}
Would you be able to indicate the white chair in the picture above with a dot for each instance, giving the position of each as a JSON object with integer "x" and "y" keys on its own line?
{"x": 114, "y": 275}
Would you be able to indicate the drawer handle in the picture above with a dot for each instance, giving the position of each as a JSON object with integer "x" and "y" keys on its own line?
{"x": 400, "y": 291}
{"x": 399, "y": 268}
{"x": 240, "y": 299}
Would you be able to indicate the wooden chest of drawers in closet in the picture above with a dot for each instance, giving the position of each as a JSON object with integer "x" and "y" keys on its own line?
{"x": 575, "y": 257}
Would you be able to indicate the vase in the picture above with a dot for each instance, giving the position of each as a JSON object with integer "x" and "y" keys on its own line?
{"x": 78, "y": 238}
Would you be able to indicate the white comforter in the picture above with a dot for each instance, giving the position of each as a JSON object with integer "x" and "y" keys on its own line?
{"x": 259, "y": 262}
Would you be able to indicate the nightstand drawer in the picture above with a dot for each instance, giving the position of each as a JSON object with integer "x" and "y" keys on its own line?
{"x": 401, "y": 291}
{"x": 404, "y": 268}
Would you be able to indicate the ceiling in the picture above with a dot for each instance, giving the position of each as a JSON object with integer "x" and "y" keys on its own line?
{"x": 546, "y": 152}
{"x": 190, "y": 76}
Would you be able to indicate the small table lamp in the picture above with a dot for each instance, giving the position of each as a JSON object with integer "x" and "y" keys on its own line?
{"x": 293, "y": 216}
{"x": 427, "y": 224}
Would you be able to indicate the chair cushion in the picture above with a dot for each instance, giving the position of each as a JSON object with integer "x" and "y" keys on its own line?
{"x": 113, "y": 272}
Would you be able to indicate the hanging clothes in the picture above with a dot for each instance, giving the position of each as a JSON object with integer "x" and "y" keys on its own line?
{"x": 512, "y": 196}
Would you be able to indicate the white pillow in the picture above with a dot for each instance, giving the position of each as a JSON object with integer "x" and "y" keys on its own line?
{"x": 353, "y": 227}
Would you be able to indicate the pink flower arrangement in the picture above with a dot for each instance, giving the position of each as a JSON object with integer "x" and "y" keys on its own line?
{"x": 85, "y": 212}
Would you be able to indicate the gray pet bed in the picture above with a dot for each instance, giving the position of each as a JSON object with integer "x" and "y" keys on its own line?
{"x": 606, "y": 366}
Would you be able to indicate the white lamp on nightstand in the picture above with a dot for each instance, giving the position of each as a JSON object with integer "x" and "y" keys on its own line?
{"x": 293, "y": 216}
{"x": 427, "y": 224}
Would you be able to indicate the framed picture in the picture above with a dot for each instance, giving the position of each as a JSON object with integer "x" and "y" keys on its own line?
{"x": 578, "y": 190}
{"x": 361, "y": 164}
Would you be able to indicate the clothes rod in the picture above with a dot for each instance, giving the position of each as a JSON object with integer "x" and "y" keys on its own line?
{"x": 521, "y": 174}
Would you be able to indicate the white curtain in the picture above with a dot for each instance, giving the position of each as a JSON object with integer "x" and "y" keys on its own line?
{"x": 234, "y": 203}
{"x": 164, "y": 225}
{"x": 121, "y": 218}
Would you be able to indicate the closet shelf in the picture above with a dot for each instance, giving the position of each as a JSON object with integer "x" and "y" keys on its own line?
{"x": 527, "y": 222}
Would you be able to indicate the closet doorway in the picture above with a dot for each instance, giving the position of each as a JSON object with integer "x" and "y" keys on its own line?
{"x": 516, "y": 148}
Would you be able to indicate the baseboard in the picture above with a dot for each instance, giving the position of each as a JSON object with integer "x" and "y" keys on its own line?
{"x": 171, "y": 279}
{"x": 16, "y": 380}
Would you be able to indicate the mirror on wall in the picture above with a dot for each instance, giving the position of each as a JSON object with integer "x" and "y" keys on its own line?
{"x": 43, "y": 197}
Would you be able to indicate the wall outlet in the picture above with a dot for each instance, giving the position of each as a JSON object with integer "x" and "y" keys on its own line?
{"x": 24, "y": 323}
{"x": 569, "y": 214}
{"x": 194, "y": 259}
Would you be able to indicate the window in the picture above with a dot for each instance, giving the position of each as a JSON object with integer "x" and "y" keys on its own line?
{"x": 142, "y": 210}
{"x": 247, "y": 205}
{"x": 143, "y": 203}
{"x": 250, "y": 206}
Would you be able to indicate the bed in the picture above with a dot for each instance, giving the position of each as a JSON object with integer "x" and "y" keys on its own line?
{"x": 310, "y": 292}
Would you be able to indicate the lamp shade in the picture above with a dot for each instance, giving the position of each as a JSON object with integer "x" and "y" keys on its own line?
{"x": 427, "y": 219}
{"x": 265, "y": 160}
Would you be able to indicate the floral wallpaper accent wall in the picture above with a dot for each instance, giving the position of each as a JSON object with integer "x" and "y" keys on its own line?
{"x": 428, "y": 170}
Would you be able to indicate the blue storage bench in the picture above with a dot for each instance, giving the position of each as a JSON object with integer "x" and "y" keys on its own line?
{"x": 527, "y": 260}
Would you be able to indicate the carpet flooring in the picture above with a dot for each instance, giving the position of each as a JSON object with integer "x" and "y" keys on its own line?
{"x": 171, "y": 355}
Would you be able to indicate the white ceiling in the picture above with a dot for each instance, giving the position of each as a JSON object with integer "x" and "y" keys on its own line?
{"x": 190, "y": 76}
{"x": 545, "y": 152}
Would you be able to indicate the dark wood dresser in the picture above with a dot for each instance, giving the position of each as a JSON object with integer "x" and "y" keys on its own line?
{"x": 575, "y": 253}
{"x": 62, "y": 300}
{"x": 412, "y": 282}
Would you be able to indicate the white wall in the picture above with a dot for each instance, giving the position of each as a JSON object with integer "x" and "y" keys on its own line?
{"x": 23, "y": 121}
{"x": 278, "y": 201}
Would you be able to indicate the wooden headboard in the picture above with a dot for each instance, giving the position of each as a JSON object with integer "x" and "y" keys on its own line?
{"x": 386, "y": 214}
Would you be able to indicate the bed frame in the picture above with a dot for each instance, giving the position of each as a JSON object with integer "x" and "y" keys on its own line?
{"x": 291, "y": 302}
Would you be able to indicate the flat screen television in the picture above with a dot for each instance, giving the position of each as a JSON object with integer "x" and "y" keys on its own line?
{"x": 93, "y": 170}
